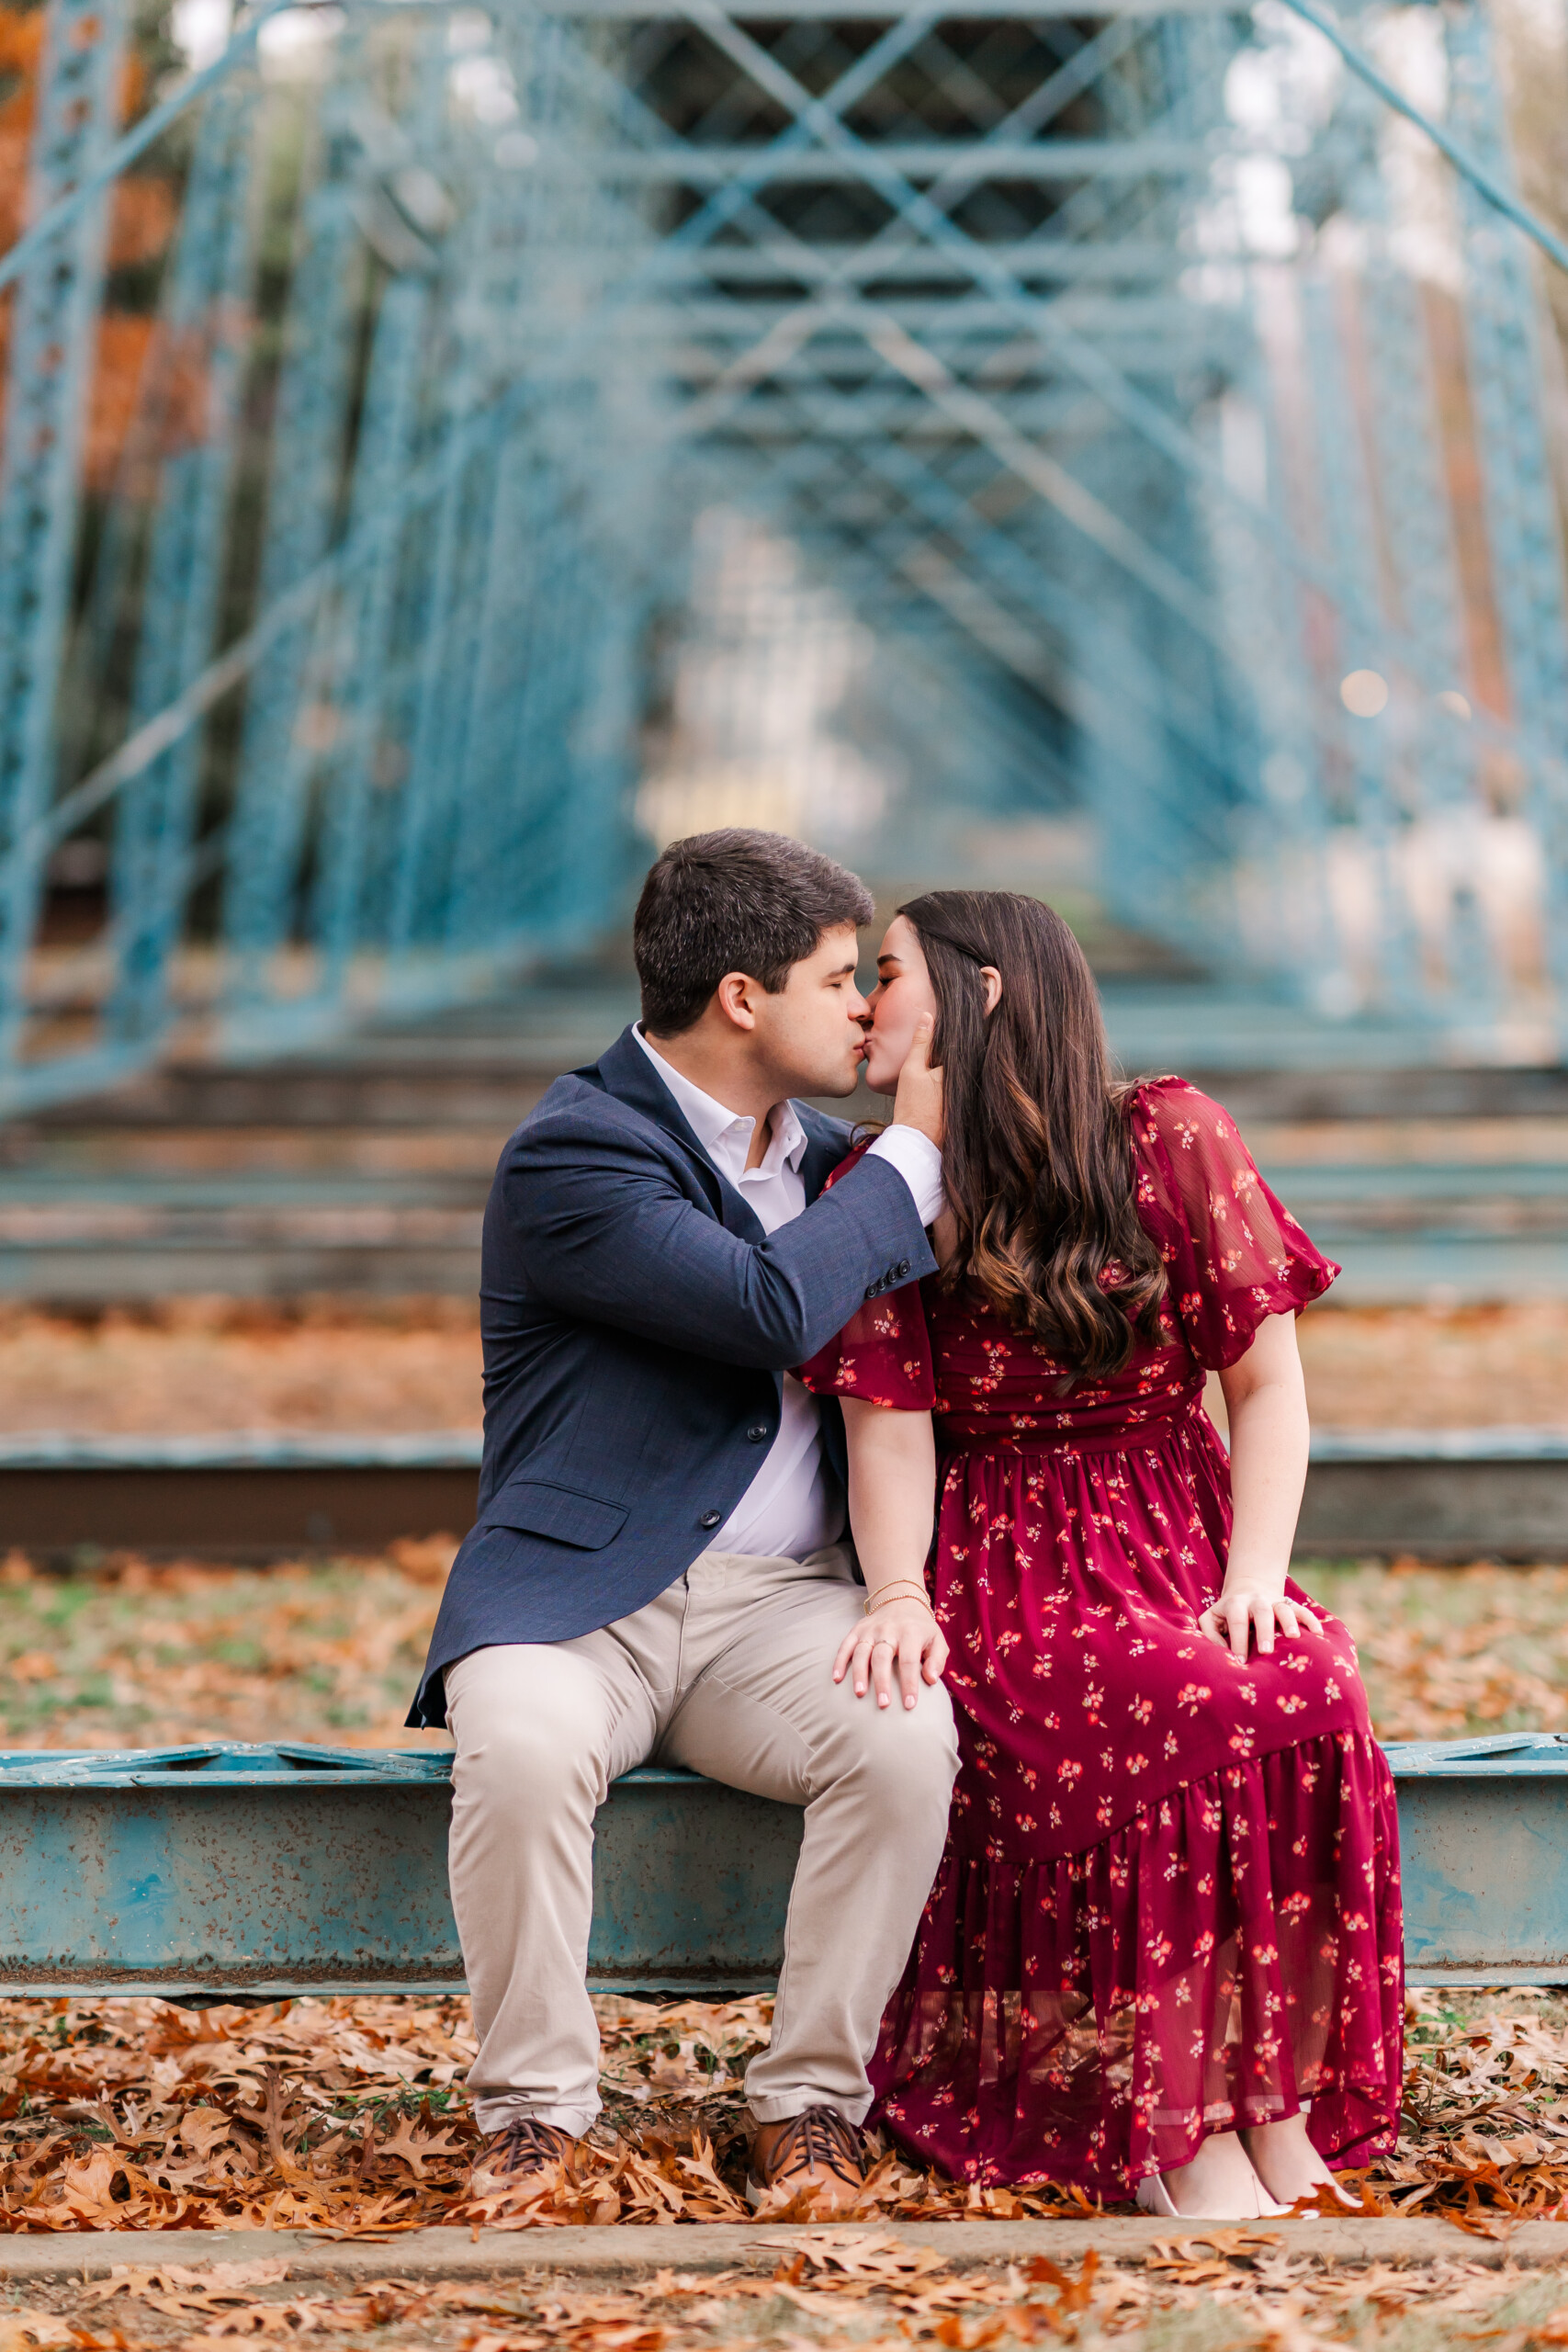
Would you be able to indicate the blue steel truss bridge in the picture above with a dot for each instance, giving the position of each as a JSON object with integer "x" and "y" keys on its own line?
{"x": 1162, "y": 392}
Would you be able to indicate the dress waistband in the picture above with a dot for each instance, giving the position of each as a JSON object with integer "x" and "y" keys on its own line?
{"x": 1147, "y": 1437}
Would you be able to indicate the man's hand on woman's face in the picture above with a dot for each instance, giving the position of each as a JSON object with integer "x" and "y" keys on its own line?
{"x": 918, "y": 1102}
{"x": 903, "y": 1637}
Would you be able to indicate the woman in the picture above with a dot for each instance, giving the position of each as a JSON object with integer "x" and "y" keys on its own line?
{"x": 1162, "y": 1954}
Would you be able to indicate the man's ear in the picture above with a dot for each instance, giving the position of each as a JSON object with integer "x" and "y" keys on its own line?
{"x": 734, "y": 998}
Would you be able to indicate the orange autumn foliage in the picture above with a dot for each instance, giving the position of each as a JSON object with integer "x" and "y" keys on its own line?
{"x": 128, "y": 380}
{"x": 123, "y": 344}
{"x": 141, "y": 221}
{"x": 347, "y": 2117}
{"x": 21, "y": 50}
{"x": 21, "y": 45}
{"x": 21, "y": 38}
{"x": 143, "y": 212}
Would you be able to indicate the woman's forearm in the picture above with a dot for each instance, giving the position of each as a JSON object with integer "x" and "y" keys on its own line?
{"x": 892, "y": 1491}
{"x": 1266, "y": 1400}
{"x": 892, "y": 1500}
{"x": 1269, "y": 1463}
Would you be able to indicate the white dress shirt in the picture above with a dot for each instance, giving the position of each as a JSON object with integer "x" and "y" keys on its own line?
{"x": 795, "y": 1504}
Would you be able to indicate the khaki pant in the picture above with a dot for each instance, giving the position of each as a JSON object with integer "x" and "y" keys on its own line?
{"x": 729, "y": 1673}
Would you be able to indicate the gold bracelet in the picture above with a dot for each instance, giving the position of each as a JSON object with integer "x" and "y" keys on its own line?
{"x": 912, "y": 1591}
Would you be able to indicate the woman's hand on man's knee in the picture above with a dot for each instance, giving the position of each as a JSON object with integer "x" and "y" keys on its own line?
{"x": 899, "y": 1639}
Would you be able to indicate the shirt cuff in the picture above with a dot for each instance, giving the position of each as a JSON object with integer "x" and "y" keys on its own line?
{"x": 919, "y": 1162}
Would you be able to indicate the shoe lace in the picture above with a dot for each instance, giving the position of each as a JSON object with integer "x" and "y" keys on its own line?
{"x": 819, "y": 2137}
{"x": 526, "y": 2143}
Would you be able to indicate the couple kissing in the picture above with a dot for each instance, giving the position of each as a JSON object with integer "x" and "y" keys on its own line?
{"x": 874, "y": 1476}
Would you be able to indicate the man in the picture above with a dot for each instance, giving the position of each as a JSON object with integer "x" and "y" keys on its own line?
{"x": 657, "y": 1570}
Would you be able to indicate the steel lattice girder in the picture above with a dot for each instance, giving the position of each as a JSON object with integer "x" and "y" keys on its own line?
{"x": 966, "y": 301}
{"x": 1422, "y": 634}
{"x": 52, "y": 330}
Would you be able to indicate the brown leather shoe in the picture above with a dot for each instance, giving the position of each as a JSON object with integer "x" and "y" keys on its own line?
{"x": 815, "y": 2155}
{"x": 508, "y": 2159}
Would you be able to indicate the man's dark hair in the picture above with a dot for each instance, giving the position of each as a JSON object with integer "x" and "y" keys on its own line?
{"x": 733, "y": 901}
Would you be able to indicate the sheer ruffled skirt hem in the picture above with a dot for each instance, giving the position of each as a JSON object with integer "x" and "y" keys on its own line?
{"x": 1229, "y": 1956}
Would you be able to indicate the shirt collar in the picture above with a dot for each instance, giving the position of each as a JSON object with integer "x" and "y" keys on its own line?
{"x": 715, "y": 1126}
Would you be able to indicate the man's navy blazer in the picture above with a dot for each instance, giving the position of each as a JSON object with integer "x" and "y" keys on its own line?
{"x": 636, "y": 1323}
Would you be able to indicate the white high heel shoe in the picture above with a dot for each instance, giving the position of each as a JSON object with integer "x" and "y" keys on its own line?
{"x": 1342, "y": 2196}
{"x": 1153, "y": 2197}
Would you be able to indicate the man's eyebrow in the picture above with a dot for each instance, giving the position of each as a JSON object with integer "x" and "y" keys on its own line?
{"x": 852, "y": 966}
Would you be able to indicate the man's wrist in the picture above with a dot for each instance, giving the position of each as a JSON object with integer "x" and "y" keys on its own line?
{"x": 918, "y": 1161}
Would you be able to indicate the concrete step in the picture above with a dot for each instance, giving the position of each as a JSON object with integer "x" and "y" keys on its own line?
{"x": 573, "y": 2251}
{"x": 1459, "y": 1494}
{"x": 364, "y": 1170}
{"x": 81, "y": 1236}
{"x": 576, "y": 2252}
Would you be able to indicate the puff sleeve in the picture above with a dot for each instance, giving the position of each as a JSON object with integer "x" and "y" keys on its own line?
{"x": 1233, "y": 1254}
{"x": 884, "y": 1353}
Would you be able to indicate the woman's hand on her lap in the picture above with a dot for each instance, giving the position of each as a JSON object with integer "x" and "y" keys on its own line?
{"x": 1248, "y": 1609}
{"x": 902, "y": 1637}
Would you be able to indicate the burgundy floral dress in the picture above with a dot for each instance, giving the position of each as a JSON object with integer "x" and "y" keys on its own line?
{"x": 1170, "y": 1901}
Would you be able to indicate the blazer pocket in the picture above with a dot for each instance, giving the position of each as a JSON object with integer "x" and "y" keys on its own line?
{"x": 538, "y": 1509}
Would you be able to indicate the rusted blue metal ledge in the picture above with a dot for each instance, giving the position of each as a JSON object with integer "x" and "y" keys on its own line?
{"x": 228, "y": 1869}
{"x": 1483, "y": 1837}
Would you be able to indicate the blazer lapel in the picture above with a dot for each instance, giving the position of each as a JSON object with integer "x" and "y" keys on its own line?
{"x": 827, "y": 1143}
{"x": 626, "y": 1072}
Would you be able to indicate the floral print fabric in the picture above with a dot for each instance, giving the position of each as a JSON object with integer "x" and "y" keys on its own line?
{"x": 1169, "y": 1900}
{"x": 1231, "y": 1953}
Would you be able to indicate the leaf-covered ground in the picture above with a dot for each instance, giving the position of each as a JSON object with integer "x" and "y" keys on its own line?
{"x": 349, "y": 2115}
{"x": 184, "y": 1365}
{"x": 1448, "y": 1651}
{"x": 1420, "y": 1367}
{"x": 132, "y": 1656}
{"x": 1208, "y": 2292}
{"x": 193, "y": 1364}
{"x": 129, "y": 1655}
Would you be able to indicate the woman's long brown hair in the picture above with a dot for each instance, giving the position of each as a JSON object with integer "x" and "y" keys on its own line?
{"x": 1037, "y": 1161}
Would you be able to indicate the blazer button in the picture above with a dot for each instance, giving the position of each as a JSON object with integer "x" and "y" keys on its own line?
{"x": 757, "y": 1432}
{"x": 873, "y": 1289}
{"x": 902, "y": 1268}
{"x": 709, "y": 1519}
